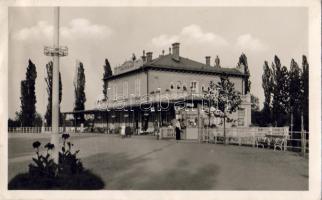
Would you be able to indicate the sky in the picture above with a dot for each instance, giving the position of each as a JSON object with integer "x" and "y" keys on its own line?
{"x": 95, "y": 33}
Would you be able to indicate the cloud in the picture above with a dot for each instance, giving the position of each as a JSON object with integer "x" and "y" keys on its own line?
{"x": 83, "y": 28}
{"x": 192, "y": 34}
{"x": 78, "y": 28}
{"x": 41, "y": 30}
{"x": 164, "y": 40}
{"x": 248, "y": 42}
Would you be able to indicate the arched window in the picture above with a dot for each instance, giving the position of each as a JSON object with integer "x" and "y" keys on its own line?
{"x": 171, "y": 86}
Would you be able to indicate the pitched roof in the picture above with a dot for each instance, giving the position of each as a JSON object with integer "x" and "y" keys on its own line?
{"x": 167, "y": 62}
{"x": 186, "y": 64}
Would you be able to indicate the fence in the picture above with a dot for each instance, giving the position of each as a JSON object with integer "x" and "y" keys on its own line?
{"x": 44, "y": 129}
{"x": 277, "y": 138}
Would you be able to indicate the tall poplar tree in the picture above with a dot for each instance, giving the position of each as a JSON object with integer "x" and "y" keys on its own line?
{"x": 295, "y": 94}
{"x": 80, "y": 97}
{"x": 107, "y": 73}
{"x": 49, "y": 82}
{"x": 305, "y": 93}
{"x": 280, "y": 103}
{"x": 28, "y": 96}
{"x": 267, "y": 86}
{"x": 243, "y": 61}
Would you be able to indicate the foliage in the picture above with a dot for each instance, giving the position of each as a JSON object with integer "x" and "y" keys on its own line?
{"x": 43, "y": 166}
{"x": 107, "y": 73}
{"x": 49, "y": 82}
{"x": 267, "y": 86}
{"x": 305, "y": 92}
{"x": 44, "y": 173}
{"x": 68, "y": 161}
{"x": 254, "y": 103}
{"x": 28, "y": 96}
{"x": 224, "y": 96}
{"x": 280, "y": 106}
{"x": 80, "y": 97}
{"x": 243, "y": 61}
{"x": 295, "y": 94}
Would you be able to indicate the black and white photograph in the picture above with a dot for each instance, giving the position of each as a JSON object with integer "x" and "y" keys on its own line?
{"x": 211, "y": 99}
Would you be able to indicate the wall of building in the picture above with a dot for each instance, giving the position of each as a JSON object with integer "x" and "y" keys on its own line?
{"x": 136, "y": 85}
{"x": 163, "y": 80}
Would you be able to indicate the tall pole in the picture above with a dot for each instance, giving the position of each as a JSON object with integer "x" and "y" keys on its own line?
{"x": 56, "y": 51}
{"x": 55, "y": 89}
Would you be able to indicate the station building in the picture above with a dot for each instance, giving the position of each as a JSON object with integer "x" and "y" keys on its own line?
{"x": 148, "y": 90}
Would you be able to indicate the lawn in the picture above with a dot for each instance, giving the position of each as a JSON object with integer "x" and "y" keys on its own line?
{"x": 144, "y": 163}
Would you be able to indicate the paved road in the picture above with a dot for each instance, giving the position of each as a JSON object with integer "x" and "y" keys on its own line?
{"x": 142, "y": 162}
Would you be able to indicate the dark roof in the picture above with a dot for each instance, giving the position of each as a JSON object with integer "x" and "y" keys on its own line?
{"x": 167, "y": 62}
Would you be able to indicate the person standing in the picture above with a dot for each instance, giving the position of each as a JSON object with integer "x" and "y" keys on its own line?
{"x": 178, "y": 130}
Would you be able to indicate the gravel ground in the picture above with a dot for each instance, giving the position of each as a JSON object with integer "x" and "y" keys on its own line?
{"x": 144, "y": 163}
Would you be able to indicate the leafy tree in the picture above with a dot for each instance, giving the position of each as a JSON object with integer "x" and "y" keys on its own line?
{"x": 254, "y": 103}
{"x": 267, "y": 86}
{"x": 80, "y": 97}
{"x": 280, "y": 83}
{"x": 295, "y": 94}
{"x": 243, "y": 61}
{"x": 49, "y": 82}
{"x": 107, "y": 73}
{"x": 305, "y": 92}
{"x": 28, "y": 96}
{"x": 227, "y": 98}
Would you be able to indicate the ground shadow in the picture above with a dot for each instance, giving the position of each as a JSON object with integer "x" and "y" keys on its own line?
{"x": 82, "y": 181}
{"x": 181, "y": 178}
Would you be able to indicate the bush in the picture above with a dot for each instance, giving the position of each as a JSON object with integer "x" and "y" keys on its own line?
{"x": 44, "y": 173}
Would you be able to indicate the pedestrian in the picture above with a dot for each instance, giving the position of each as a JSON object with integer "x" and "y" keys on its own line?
{"x": 123, "y": 130}
{"x": 178, "y": 130}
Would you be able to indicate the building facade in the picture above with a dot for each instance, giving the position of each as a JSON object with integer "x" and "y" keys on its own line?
{"x": 148, "y": 90}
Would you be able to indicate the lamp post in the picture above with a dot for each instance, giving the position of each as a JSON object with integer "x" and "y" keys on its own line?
{"x": 55, "y": 51}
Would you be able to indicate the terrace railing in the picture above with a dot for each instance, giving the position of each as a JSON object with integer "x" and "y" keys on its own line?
{"x": 43, "y": 129}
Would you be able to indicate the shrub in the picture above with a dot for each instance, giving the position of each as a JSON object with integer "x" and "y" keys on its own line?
{"x": 44, "y": 173}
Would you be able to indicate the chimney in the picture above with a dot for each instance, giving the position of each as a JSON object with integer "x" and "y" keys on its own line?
{"x": 143, "y": 56}
{"x": 149, "y": 56}
{"x": 208, "y": 61}
{"x": 175, "y": 51}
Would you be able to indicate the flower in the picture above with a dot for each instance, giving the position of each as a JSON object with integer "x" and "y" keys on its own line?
{"x": 49, "y": 146}
{"x": 36, "y": 144}
{"x": 65, "y": 136}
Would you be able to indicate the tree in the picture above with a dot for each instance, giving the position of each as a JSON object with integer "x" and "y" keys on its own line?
{"x": 225, "y": 97}
{"x": 28, "y": 96}
{"x": 80, "y": 98}
{"x": 107, "y": 73}
{"x": 267, "y": 86}
{"x": 280, "y": 102}
{"x": 49, "y": 82}
{"x": 295, "y": 94}
{"x": 305, "y": 92}
{"x": 243, "y": 61}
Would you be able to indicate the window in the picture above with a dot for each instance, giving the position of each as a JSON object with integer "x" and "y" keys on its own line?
{"x": 202, "y": 88}
{"x": 184, "y": 87}
{"x": 137, "y": 87}
{"x": 241, "y": 116}
{"x": 171, "y": 86}
{"x": 194, "y": 86}
{"x": 125, "y": 89}
{"x": 178, "y": 86}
